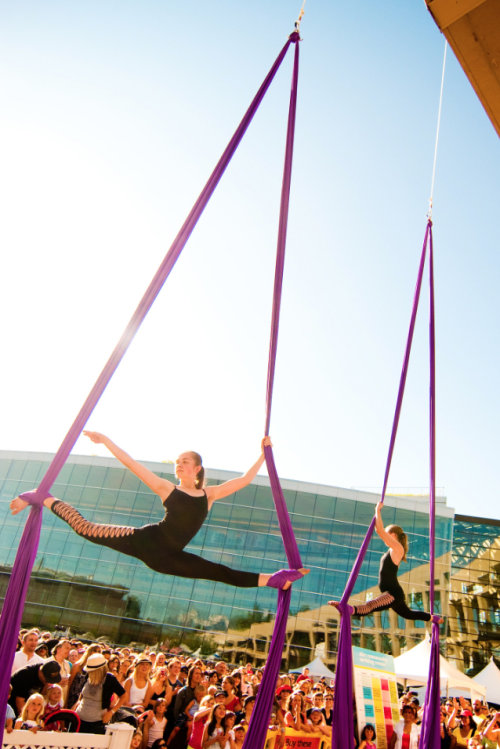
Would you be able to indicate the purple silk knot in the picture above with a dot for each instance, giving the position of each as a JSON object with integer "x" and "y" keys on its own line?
{"x": 35, "y": 497}
{"x": 294, "y": 37}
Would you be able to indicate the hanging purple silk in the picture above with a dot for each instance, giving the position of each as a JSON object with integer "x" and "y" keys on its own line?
{"x": 343, "y": 713}
{"x": 259, "y": 722}
{"x": 430, "y": 735}
{"x": 15, "y": 597}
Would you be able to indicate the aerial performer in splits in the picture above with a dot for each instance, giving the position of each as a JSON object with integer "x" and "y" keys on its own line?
{"x": 393, "y": 596}
{"x": 161, "y": 545}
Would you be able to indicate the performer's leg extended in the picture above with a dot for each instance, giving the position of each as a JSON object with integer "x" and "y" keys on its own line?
{"x": 116, "y": 537}
{"x": 184, "y": 564}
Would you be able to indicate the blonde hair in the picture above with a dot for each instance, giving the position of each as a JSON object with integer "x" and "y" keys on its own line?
{"x": 97, "y": 675}
{"x": 401, "y": 536}
{"x": 39, "y": 715}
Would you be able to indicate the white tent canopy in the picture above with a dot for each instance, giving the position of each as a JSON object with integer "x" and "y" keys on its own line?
{"x": 489, "y": 678}
{"x": 317, "y": 669}
{"x": 412, "y": 668}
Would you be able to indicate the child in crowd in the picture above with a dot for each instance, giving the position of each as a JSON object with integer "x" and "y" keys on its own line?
{"x": 187, "y": 716}
{"x": 317, "y": 722}
{"x": 155, "y": 722}
{"x": 368, "y": 737}
{"x": 215, "y": 734}
{"x": 199, "y": 720}
{"x": 10, "y": 715}
{"x": 54, "y": 703}
{"x": 31, "y": 718}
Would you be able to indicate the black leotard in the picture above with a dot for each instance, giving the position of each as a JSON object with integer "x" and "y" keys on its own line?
{"x": 184, "y": 516}
{"x": 393, "y": 596}
{"x": 388, "y": 576}
{"x": 161, "y": 545}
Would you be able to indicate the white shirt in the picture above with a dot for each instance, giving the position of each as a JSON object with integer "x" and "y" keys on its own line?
{"x": 414, "y": 735}
{"x": 21, "y": 660}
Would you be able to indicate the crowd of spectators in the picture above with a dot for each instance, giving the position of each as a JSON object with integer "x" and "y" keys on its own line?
{"x": 177, "y": 701}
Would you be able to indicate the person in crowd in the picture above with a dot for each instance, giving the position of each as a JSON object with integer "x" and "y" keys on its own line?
{"x": 53, "y": 704}
{"x": 186, "y": 717}
{"x": 94, "y": 706}
{"x": 31, "y": 718}
{"x": 60, "y": 653}
{"x": 114, "y": 664}
{"x": 327, "y": 709}
{"x": 78, "y": 675}
{"x": 10, "y": 715}
{"x": 73, "y": 656}
{"x": 32, "y": 679}
{"x": 161, "y": 545}
{"x": 239, "y": 736}
{"x": 215, "y": 734}
{"x": 295, "y": 716}
{"x": 161, "y": 687}
{"x": 136, "y": 741}
{"x": 443, "y": 727}
{"x": 138, "y": 688}
{"x": 304, "y": 675}
{"x": 368, "y": 736}
{"x": 42, "y": 650}
{"x": 317, "y": 702}
{"x": 199, "y": 720}
{"x": 232, "y": 701}
{"x": 124, "y": 670}
{"x": 27, "y": 655}
{"x": 237, "y": 678}
{"x": 282, "y": 695}
{"x": 406, "y": 733}
{"x": 243, "y": 719}
{"x": 317, "y": 723}
{"x": 393, "y": 596}
{"x": 491, "y": 732}
{"x": 221, "y": 671}
{"x": 464, "y": 731}
{"x": 155, "y": 723}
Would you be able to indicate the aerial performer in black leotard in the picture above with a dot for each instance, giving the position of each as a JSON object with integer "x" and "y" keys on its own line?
{"x": 161, "y": 545}
{"x": 393, "y": 596}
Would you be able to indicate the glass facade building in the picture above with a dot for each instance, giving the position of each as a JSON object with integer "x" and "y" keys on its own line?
{"x": 94, "y": 590}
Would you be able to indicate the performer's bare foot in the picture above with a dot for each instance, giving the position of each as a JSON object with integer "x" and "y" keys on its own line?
{"x": 283, "y": 578}
{"x": 336, "y": 604}
{"x": 17, "y": 505}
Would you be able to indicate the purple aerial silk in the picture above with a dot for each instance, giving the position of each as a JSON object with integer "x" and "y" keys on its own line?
{"x": 256, "y": 735}
{"x": 12, "y": 611}
{"x": 343, "y": 711}
{"x": 430, "y": 735}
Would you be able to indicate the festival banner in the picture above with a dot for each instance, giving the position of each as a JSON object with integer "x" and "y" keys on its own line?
{"x": 376, "y": 693}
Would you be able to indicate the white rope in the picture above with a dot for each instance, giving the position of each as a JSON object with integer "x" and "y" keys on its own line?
{"x": 429, "y": 213}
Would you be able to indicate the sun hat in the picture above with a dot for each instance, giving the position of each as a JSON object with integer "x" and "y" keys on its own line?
{"x": 96, "y": 660}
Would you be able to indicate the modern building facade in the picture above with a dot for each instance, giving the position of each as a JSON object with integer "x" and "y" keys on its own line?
{"x": 97, "y": 591}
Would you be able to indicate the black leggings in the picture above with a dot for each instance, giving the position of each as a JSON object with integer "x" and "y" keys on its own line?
{"x": 388, "y": 601}
{"x": 148, "y": 545}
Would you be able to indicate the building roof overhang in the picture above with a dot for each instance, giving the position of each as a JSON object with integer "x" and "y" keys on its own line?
{"x": 472, "y": 28}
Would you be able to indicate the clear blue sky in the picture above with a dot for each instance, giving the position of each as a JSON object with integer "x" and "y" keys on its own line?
{"x": 114, "y": 115}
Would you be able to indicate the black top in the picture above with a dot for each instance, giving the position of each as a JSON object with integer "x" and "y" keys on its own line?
{"x": 184, "y": 516}
{"x": 25, "y": 681}
{"x": 388, "y": 576}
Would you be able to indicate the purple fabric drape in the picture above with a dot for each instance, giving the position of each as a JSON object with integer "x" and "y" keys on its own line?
{"x": 16, "y": 593}
{"x": 343, "y": 718}
{"x": 259, "y": 722}
{"x": 430, "y": 731}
